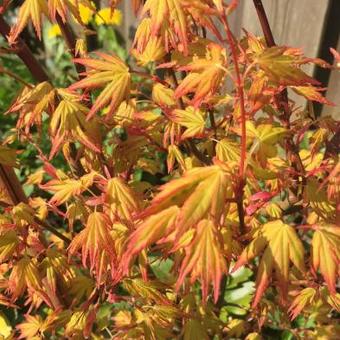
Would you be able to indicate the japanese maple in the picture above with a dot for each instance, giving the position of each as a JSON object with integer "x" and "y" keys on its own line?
{"x": 189, "y": 174}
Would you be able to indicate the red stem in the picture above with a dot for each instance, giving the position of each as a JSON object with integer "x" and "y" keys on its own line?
{"x": 239, "y": 86}
{"x": 240, "y": 92}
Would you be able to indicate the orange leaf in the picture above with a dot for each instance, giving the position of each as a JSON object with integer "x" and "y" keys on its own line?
{"x": 204, "y": 259}
{"x": 96, "y": 244}
{"x": 150, "y": 231}
{"x": 29, "y": 10}
{"x": 205, "y": 77}
{"x": 69, "y": 123}
{"x": 282, "y": 246}
{"x": 304, "y": 298}
{"x": 122, "y": 200}
{"x": 312, "y": 93}
{"x": 326, "y": 253}
{"x": 109, "y": 72}
{"x": 200, "y": 193}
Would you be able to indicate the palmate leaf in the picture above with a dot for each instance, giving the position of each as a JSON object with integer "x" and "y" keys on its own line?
{"x": 30, "y": 10}
{"x": 326, "y": 253}
{"x": 65, "y": 188}
{"x": 312, "y": 93}
{"x": 69, "y": 123}
{"x": 168, "y": 13}
{"x": 205, "y": 76}
{"x": 185, "y": 215}
{"x": 152, "y": 230}
{"x": 200, "y": 193}
{"x": 32, "y": 327}
{"x": 304, "y": 298}
{"x": 190, "y": 118}
{"x": 122, "y": 200}
{"x": 96, "y": 244}
{"x": 109, "y": 72}
{"x": 24, "y": 274}
{"x": 204, "y": 259}
{"x": 281, "y": 246}
{"x": 64, "y": 7}
{"x": 32, "y": 103}
{"x": 281, "y": 65}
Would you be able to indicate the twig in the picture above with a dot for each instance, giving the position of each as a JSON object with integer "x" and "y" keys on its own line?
{"x": 14, "y": 76}
{"x": 46, "y": 225}
{"x": 240, "y": 90}
{"x": 71, "y": 42}
{"x": 282, "y": 97}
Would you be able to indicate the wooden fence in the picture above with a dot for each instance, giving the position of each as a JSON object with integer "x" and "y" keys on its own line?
{"x": 313, "y": 25}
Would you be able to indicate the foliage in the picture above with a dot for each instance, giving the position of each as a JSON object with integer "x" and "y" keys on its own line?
{"x": 173, "y": 191}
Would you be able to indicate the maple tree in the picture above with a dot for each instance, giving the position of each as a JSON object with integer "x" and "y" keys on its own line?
{"x": 195, "y": 201}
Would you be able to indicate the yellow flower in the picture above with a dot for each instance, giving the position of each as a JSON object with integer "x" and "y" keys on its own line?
{"x": 105, "y": 16}
{"x": 85, "y": 13}
{"x": 54, "y": 31}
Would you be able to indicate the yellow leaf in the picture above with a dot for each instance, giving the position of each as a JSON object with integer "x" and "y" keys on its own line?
{"x": 125, "y": 112}
{"x": 64, "y": 189}
{"x": 265, "y": 137}
{"x": 24, "y": 274}
{"x": 282, "y": 245}
{"x": 309, "y": 161}
{"x": 109, "y": 72}
{"x": 204, "y": 259}
{"x": 303, "y": 299}
{"x": 30, "y": 10}
{"x": 163, "y": 95}
{"x": 316, "y": 196}
{"x": 122, "y": 200}
{"x": 5, "y": 326}
{"x": 36, "y": 177}
{"x": 96, "y": 243}
{"x": 190, "y": 118}
{"x": 153, "y": 229}
{"x": 281, "y": 67}
{"x": 153, "y": 51}
{"x": 31, "y": 328}
{"x": 148, "y": 290}
{"x": 69, "y": 123}
{"x": 326, "y": 253}
{"x": 32, "y": 103}
{"x": 8, "y": 244}
{"x": 312, "y": 93}
{"x": 175, "y": 154}
{"x": 200, "y": 193}
{"x": 227, "y": 151}
{"x": 205, "y": 75}
{"x": 170, "y": 14}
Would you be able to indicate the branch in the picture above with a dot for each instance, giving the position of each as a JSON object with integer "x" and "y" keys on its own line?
{"x": 70, "y": 41}
{"x": 240, "y": 90}
{"x": 24, "y": 53}
{"x": 281, "y": 98}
